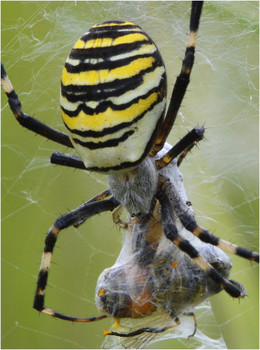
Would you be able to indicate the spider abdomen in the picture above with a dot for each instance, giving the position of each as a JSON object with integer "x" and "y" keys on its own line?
{"x": 113, "y": 95}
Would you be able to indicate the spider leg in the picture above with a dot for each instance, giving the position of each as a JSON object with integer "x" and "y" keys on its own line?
{"x": 184, "y": 145}
{"x": 168, "y": 202}
{"x": 191, "y": 225}
{"x": 67, "y": 160}
{"x": 182, "y": 80}
{"x": 186, "y": 151}
{"x": 25, "y": 119}
{"x": 102, "y": 195}
{"x": 83, "y": 212}
{"x": 184, "y": 154}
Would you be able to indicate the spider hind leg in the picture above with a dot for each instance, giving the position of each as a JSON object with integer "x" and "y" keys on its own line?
{"x": 171, "y": 206}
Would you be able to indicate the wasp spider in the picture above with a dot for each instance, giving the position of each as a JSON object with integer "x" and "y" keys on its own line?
{"x": 113, "y": 101}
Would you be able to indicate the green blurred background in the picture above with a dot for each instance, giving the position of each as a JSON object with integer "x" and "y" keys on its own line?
{"x": 221, "y": 176}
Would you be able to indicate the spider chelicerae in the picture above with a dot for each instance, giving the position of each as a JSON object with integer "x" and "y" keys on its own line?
{"x": 136, "y": 180}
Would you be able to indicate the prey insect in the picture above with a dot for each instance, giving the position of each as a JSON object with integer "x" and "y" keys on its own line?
{"x": 113, "y": 102}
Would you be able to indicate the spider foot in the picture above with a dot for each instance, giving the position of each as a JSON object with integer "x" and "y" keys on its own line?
{"x": 235, "y": 289}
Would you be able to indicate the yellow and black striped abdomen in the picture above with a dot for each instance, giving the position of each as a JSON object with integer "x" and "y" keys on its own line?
{"x": 113, "y": 95}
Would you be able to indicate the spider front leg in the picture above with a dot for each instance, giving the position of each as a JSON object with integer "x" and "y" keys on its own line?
{"x": 82, "y": 213}
{"x": 28, "y": 121}
{"x": 169, "y": 201}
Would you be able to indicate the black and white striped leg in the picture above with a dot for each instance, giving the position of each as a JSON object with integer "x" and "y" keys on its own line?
{"x": 81, "y": 213}
{"x": 28, "y": 121}
{"x": 189, "y": 222}
{"x": 172, "y": 234}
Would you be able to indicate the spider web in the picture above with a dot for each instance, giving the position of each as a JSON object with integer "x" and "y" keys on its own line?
{"x": 221, "y": 177}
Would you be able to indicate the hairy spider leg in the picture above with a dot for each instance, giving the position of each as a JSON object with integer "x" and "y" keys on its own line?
{"x": 28, "y": 121}
{"x": 102, "y": 195}
{"x": 185, "y": 152}
{"x": 171, "y": 204}
{"x": 182, "y": 80}
{"x": 191, "y": 225}
{"x": 172, "y": 234}
{"x": 83, "y": 212}
{"x": 186, "y": 143}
